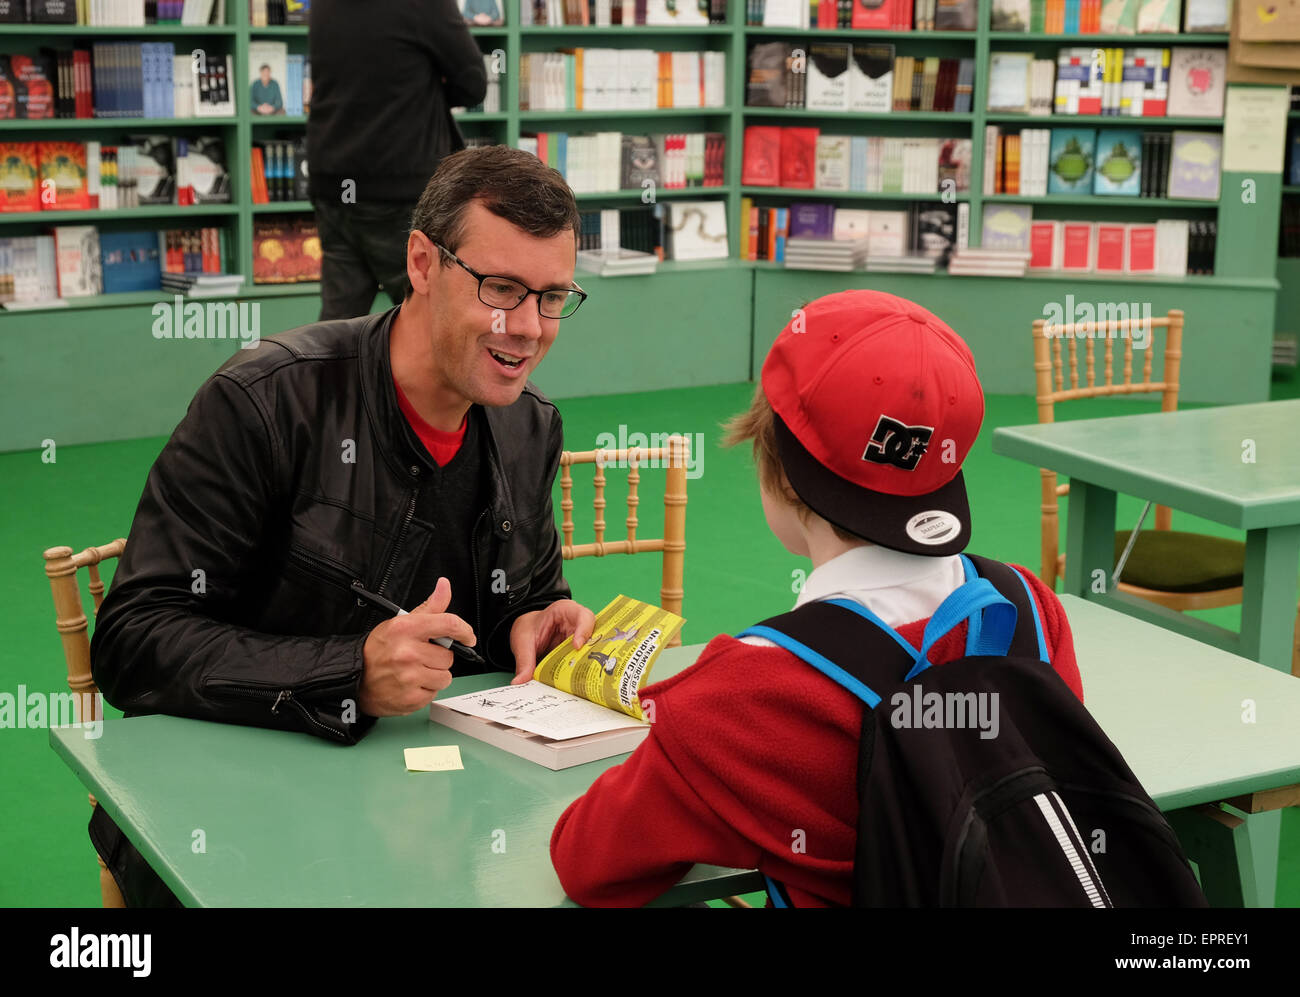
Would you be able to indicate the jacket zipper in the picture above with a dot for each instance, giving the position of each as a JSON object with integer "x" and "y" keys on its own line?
{"x": 473, "y": 562}
{"x": 401, "y": 535}
{"x": 285, "y": 696}
{"x": 332, "y": 572}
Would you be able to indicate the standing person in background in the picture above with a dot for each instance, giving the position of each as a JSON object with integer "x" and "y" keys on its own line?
{"x": 385, "y": 75}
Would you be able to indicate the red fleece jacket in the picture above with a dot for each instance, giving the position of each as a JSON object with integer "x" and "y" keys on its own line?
{"x": 749, "y": 745}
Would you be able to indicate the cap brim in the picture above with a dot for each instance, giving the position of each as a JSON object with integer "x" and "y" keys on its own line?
{"x": 935, "y": 524}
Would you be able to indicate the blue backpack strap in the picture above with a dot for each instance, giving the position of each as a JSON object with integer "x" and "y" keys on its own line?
{"x": 997, "y": 629}
{"x": 1029, "y": 641}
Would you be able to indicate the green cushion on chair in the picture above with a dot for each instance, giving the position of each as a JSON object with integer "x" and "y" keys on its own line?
{"x": 1171, "y": 561}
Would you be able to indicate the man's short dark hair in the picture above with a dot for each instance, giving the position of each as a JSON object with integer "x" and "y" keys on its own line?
{"x": 512, "y": 184}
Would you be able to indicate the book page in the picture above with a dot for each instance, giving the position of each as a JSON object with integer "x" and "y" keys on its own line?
{"x": 613, "y": 665}
{"x": 540, "y": 709}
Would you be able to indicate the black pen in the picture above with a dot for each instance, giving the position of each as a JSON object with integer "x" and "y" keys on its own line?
{"x": 454, "y": 646}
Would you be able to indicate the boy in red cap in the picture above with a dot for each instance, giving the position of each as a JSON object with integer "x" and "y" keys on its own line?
{"x": 867, "y": 406}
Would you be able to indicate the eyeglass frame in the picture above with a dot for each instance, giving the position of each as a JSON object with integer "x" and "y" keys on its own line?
{"x": 582, "y": 295}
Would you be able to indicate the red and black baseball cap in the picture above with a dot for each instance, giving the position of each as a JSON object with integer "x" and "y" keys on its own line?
{"x": 877, "y": 405}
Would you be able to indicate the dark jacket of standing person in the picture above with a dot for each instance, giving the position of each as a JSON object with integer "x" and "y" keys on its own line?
{"x": 385, "y": 74}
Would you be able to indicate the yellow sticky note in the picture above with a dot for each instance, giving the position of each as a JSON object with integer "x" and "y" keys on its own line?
{"x": 436, "y": 759}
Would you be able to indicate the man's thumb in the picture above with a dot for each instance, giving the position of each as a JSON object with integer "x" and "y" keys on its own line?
{"x": 438, "y": 601}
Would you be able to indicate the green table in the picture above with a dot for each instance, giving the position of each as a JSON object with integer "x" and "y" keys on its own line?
{"x": 1238, "y": 465}
{"x": 1191, "y": 461}
{"x": 292, "y": 820}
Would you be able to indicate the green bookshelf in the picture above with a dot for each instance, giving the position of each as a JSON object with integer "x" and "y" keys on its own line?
{"x": 722, "y": 314}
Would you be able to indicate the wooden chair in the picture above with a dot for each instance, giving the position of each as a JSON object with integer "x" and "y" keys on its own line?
{"x": 61, "y": 567}
{"x": 673, "y": 458}
{"x": 1182, "y": 571}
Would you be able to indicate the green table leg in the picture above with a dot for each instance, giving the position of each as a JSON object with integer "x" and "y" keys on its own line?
{"x": 1089, "y": 539}
{"x": 1219, "y": 845}
{"x": 1268, "y": 602}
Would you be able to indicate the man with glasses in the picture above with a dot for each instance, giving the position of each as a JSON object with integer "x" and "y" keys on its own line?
{"x": 404, "y": 454}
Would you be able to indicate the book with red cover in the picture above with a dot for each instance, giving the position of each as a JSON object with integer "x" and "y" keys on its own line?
{"x": 1110, "y": 247}
{"x": 874, "y": 14}
{"x": 799, "y": 157}
{"x": 828, "y": 13}
{"x": 1142, "y": 248}
{"x": 65, "y": 164}
{"x": 1076, "y": 243}
{"x": 761, "y": 164}
{"x": 1042, "y": 245}
{"x": 20, "y": 170}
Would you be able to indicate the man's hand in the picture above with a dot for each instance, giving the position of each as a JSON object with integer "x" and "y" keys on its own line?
{"x": 402, "y": 671}
{"x": 535, "y": 634}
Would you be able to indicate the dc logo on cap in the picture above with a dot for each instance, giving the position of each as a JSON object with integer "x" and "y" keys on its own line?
{"x": 895, "y": 443}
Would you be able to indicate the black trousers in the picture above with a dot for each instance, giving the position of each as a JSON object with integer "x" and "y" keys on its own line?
{"x": 140, "y": 885}
{"x": 363, "y": 250}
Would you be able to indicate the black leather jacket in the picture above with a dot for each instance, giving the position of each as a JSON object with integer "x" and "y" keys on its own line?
{"x": 294, "y": 473}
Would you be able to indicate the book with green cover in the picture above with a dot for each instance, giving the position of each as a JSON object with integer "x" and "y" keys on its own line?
{"x": 1071, "y": 159}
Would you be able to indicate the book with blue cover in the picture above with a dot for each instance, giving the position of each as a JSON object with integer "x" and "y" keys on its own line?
{"x": 1071, "y": 160}
{"x": 1118, "y": 167}
{"x": 130, "y": 261}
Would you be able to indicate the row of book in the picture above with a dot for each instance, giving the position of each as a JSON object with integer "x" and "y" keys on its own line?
{"x": 262, "y": 13}
{"x": 76, "y": 261}
{"x": 116, "y": 80}
{"x": 608, "y": 161}
{"x": 866, "y": 77}
{"x": 1109, "y": 17}
{"x": 1170, "y": 246}
{"x": 1134, "y": 82}
{"x": 603, "y": 13}
{"x": 142, "y": 169}
{"x": 616, "y": 79}
{"x": 805, "y": 158}
{"x": 1107, "y": 162}
{"x": 286, "y": 251}
{"x": 113, "y": 13}
{"x": 889, "y": 15}
{"x": 279, "y": 81}
{"x": 279, "y": 171}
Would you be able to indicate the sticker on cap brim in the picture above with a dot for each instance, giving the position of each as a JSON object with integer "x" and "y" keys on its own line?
{"x": 933, "y": 527}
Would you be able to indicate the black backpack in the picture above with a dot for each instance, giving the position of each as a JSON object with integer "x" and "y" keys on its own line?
{"x": 983, "y": 782}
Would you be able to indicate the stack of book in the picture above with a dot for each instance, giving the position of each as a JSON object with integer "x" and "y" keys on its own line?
{"x": 988, "y": 262}
{"x": 825, "y": 254}
{"x": 194, "y": 285}
{"x": 616, "y": 262}
{"x": 114, "y": 13}
{"x": 1284, "y": 351}
{"x": 901, "y": 264}
{"x": 640, "y": 229}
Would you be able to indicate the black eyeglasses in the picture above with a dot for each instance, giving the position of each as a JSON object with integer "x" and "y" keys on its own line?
{"x": 507, "y": 293}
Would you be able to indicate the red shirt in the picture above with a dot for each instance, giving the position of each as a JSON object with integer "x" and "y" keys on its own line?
{"x": 749, "y": 746}
{"x": 442, "y": 445}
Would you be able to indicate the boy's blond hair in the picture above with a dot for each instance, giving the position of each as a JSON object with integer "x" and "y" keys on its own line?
{"x": 758, "y": 423}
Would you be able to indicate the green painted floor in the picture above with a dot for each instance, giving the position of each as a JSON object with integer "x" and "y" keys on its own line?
{"x": 736, "y": 573}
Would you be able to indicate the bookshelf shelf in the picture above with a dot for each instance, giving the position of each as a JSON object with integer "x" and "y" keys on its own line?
{"x": 1092, "y": 200}
{"x": 635, "y": 31}
{"x": 281, "y": 207}
{"x": 1289, "y": 188}
{"x": 271, "y": 120}
{"x": 1066, "y": 120}
{"x": 146, "y": 30}
{"x": 1205, "y": 38}
{"x": 166, "y": 211}
{"x": 861, "y": 34}
{"x": 660, "y": 193}
{"x": 483, "y": 116}
{"x": 279, "y": 31}
{"x": 799, "y": 112}
{"x": 857, "y": 195}
{"x": 661, "y": 112}
{"x": 58, "y": 124}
